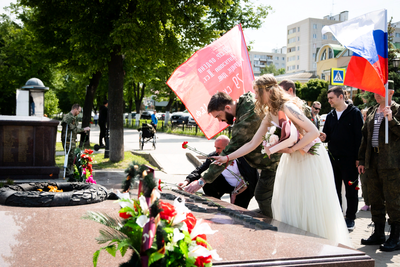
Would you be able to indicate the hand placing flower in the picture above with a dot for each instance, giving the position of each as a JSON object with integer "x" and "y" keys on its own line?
{"x": 220, "y": 160}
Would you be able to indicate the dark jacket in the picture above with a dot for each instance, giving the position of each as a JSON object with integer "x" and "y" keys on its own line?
{"x": 389, "y": 154}
{"x": 249, "y": 174}
{"x": 344, "y": 135}
{"x": 103, "y": 115}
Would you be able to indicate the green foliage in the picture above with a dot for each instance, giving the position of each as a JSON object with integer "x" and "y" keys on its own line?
{"x": 51, "y": 103}
{"x": 271, "y": 69}
{"x": 312, "y": 89}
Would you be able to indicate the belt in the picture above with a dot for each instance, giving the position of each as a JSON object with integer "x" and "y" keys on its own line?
{"x": 376, "y": 149}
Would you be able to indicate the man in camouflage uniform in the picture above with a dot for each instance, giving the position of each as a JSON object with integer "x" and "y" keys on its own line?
{"x": 381, "y": 164}
{"x": 290, "y": 88}
{"x": 222, "y": 107}
{"x": 69, "y": 144}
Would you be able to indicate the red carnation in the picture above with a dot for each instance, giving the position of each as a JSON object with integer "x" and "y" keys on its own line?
{"x": 351, "y": 183}
{"x": 124, "y": 215}
{"x": 168, "y": 211}
{"x": 159, "y": 184}
{"x": 88, "y": 151}
{"x": 190, "y": 221}
{"x": 200, "y": 260}
{"x": 357, "y": 188}
{"x": 184, "y": 144}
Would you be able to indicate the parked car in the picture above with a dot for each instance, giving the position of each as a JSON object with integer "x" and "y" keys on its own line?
{"x": 181, "y": 117}
{"x": 160, "y": 116}
{"x": 132, "y": 116}
{"x": 146, "y": 115}
{"x": 191, "y": 121}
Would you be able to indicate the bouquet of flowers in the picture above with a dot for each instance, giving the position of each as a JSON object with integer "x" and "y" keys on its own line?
{"x": 83, "y": 166}
{"x": 285, "y": 135}
{"x": 159, "y": 233}
{"x": 242, "y": 184}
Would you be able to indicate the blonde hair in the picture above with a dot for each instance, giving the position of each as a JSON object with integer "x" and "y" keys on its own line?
{"x": 277, "y": 98}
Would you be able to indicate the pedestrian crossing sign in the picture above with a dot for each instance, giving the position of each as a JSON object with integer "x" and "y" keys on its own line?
{"x": 337, "y": 76}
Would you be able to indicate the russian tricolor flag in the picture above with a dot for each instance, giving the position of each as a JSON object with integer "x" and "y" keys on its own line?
{"x": 367, "y": 37}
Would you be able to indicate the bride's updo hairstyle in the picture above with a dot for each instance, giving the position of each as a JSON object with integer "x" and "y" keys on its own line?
{"x": 277, "y": 98}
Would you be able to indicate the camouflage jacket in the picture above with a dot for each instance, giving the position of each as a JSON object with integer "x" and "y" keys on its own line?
{"x": 73, "y": 127}
{"x": 246, "y": 125}
{"x": 389, "y": 154}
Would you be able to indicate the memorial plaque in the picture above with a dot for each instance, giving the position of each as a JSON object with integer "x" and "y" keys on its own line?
{"x": 27, "y": 147}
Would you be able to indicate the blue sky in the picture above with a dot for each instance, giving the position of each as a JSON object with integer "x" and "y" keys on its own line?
{"x": 285, "y": 12}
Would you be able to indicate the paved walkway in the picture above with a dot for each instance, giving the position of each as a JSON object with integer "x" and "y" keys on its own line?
{"x": 172, "y": 158}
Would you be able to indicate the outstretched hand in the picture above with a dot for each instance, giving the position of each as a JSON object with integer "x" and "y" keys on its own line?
{"x": 219, "y": 160}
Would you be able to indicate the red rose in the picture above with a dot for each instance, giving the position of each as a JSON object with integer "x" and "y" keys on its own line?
{"x": 351, "y": 183}
{"x": 357, "y": 188}
{"x": 190, "y": 221}
{"x": 200, "y": 261}
{"x": 168, "y": 211}
{"x": 124, "y": 215}
{"x": 184, "y": 145}
{"x": 159, "y": 184}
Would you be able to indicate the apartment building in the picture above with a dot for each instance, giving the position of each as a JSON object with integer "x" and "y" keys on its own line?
{"x": 260, "y": 60}
{"x": 304, "y": 39}
{"x": 396, "y": 34}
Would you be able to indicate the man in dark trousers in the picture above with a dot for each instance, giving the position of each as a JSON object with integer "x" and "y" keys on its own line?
{"x": 226, "y": 181}
{"x": 381, "y": 164}
{"x": 342, "y": 131}
{"x": 103, "y": 123}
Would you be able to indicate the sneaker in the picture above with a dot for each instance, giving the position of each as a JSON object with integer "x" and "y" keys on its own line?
{"x": 350, "y": 224}
{"x": 365, "y": 208}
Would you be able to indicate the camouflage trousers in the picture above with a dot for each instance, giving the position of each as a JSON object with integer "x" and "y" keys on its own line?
{"x": 71, "y": 156}
{"x": 264, "y": 190}
{"x": 383, "y": 192}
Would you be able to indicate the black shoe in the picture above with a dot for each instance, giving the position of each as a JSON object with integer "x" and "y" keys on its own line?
{"x": 393, "y": 242}
{"x": 102, "y": 146}
{"x": 377, "y": 238}
{"x": 350, "y": 224}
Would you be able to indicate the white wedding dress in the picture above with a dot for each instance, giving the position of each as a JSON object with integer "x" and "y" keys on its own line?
{"x": 305, "y": 196}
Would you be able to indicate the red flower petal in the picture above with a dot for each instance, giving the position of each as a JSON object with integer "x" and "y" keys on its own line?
{"x": 184, "y": 145}
{"x": 200, "y": 260}
{"x": 190, "y": 221}
{"x": 124, "y": 215}
{"x": 350, "y": 183}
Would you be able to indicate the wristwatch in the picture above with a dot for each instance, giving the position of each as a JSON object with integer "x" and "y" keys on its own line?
{"x": 201, "y": 182}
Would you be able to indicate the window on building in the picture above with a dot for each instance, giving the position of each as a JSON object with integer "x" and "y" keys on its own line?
{"x": 298, "y": 48}
{"x": 333, "y": 38}
{"x": 323, "y": 56}
{"x": 330, "y": 53}
{"x": 297, "y": 66}
{"x": 283, "y": 58}
{"x": 298, "y": 38}
{"x": 293, "y": 30}
{"x": 314, "y": 45}
{"x": 298, "y": 57}
{"x": 324, "y": 37}
{"x": 298, "y": 29}
{"x": 315, "y": 26}
{"x": 314, "y": 36}
{"x": 283, "y": 65}
{"x": 314, "y": 66}
{"x": 313, "y": 56}
{"x": 291, "y": 49}
{"x": 277, "y": 65}
{"x": 263, "y": 56}
{"x": 323, "y": 76}
{"x": 348, "y": 53}
{"x": 397, "y": 34}
{"x": 257, "y": 69}
{"x": 292, "y": 40}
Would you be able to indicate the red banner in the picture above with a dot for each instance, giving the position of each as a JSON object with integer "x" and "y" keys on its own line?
{"x": 223, "y": 65}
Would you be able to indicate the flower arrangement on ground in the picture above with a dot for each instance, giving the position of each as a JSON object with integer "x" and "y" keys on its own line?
{"x": 159, "y": 233}
{"x": 83, "y": 166}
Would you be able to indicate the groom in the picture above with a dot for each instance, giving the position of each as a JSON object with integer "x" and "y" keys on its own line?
{"x": 246, "y": 124}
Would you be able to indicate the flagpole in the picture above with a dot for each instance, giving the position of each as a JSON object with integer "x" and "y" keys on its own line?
{"x": 386, "y": 86}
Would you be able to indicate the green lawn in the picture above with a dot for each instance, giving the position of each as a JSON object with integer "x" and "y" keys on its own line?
{"x": 100, "y": 163}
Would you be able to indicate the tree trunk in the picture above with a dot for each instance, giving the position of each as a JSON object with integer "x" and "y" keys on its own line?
{"x": 88, "y": 105}
{"x": 115, "y": 106}
{"x": 168, "y": 108}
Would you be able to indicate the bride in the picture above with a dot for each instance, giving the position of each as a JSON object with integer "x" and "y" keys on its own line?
{"x": 304, "y": 191}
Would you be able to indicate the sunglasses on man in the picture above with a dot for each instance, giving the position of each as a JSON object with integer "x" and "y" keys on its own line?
{"x": 316, "y": 108}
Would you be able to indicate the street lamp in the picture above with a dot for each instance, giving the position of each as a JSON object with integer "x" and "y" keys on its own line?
{"x": 396, "y": 63}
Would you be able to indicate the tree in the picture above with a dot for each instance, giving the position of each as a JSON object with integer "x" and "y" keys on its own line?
{"x": 312, "y": 89}
{"x": 271, "y": 69}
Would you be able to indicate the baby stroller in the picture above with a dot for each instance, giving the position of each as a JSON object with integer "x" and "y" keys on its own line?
{"x": 147, "y": 134}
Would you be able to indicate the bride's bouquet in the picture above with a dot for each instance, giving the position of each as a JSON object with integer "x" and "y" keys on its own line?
{"x": 285, "y": 135}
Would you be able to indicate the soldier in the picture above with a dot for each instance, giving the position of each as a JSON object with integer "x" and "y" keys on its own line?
{"x": 222, "y": 107}
{"x": 70, "y": 124}
{"x": 290, "y": 88}
{"x": 381, "y": 162}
